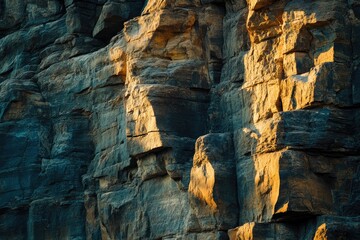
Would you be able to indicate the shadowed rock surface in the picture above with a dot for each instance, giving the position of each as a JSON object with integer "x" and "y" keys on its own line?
{"x": 180, "y": 119}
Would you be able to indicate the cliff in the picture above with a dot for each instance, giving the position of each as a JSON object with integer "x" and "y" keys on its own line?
{"x": 180, "y": 119}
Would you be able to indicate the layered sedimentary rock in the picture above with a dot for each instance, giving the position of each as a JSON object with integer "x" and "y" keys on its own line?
{"x": 179, "y": 119}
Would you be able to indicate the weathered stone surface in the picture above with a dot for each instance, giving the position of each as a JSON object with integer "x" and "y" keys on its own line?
{"x": 113, "y": 15}
{"x": 252, "y": 231}
{"x": 212, "y": 183}
{"x": 330, "y": 227}
{"x": 179, "y": 119}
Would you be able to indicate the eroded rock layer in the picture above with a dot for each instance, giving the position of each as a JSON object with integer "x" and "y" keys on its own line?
{"x": 179, "y": 119}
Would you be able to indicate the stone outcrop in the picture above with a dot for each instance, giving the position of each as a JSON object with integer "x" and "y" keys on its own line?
{"x": 179, "y": 119}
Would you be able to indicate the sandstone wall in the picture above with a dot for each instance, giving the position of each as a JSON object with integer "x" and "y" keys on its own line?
{"x": 179, "y": 119}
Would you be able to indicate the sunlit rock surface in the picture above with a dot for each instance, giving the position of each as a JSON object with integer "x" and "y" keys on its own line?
{"x": 179, "y": 119}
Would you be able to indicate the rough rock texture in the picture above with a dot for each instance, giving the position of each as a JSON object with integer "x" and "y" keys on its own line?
{"x": 179, "y": 119}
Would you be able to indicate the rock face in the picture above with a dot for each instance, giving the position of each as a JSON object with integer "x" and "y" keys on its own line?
{"x": 179, "y": 119}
